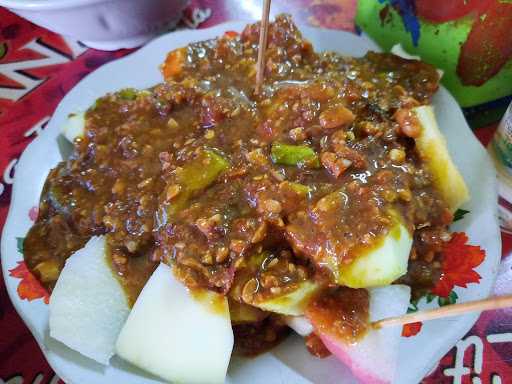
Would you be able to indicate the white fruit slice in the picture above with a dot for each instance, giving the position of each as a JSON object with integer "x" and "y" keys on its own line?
{"x": 300, "y": 324}
{"x": 385, "y": 262}
{"x": 88, "y": 306}
{"x": 176, "y": 335}
{"x": 374, "y": 359}
{"x": 74, "y": 126}
{"x": 292, "y": 303}
{"x": 433, "y": 150}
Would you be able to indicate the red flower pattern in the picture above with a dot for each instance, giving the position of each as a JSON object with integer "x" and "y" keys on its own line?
{"x": 459, "y": 261}
{"x": 29, "y": 288}
{"x": 411, "y": 329}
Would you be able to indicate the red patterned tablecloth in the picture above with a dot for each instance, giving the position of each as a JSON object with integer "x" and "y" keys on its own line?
{"x": 37, "y": 68}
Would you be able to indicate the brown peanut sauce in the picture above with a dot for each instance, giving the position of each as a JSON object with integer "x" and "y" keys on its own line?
{"x": 233, "y": 188}
{"x": 341, "y": 312}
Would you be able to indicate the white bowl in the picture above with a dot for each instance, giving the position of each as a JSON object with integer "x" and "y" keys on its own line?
{"x": 102, "y": 24}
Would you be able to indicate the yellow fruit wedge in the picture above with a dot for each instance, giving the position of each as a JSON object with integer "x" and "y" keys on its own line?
{"x": 381, "y": 264}
{"x": 241, "y": 313}
{"x": 431, "y": 146}
{"x": 291, "y": 303}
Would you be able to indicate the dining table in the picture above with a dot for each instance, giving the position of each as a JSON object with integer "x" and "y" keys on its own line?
{"x": 38, "y": 68}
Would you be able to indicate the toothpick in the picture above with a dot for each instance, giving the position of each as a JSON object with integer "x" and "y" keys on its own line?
{"x": 260, "y": 65}
{"x": 448, "y": 311}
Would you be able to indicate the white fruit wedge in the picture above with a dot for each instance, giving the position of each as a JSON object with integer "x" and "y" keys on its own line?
{"x": 74, "y": 127}
{"x": 432, "y": 148}
{"x": 374, "y": 359}
{"x": 88, "y": 306}
{"x": 300, "y": 324}
{"x": 176, "y": 335}
{"x": 292, "y": 303}
{"x": 382, "y": 264}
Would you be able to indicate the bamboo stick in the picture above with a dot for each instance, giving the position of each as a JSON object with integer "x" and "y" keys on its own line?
{"x": 260, "y": 65}
{"x": 491, "y": 303}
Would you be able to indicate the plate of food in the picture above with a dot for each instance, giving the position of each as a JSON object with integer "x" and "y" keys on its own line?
{"x": 172, "y": 225}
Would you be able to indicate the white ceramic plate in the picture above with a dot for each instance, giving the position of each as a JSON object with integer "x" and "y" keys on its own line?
{"x": 290, "y": 362}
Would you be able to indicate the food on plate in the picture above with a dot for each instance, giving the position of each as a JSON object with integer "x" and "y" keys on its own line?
{"x": 90, "y": 319}
{"x": 241, "y": 313}
{"x": 292, "y": 303}
{"x": 379, "y": 264}
{"x": 74, "y": 127}
{"x": 228, "y": 214}
{"x": 365, "y": 357}
{"x": 169, "y": 320}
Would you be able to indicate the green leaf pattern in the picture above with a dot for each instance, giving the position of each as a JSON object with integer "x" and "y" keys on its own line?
{"x": 19, "y": 244}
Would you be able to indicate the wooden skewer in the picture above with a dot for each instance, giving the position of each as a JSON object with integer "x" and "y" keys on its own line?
{"x": 447, "y": 311}
{"x": 262, "y": 45}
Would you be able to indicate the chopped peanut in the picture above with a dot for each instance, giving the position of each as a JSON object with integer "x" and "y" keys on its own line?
{"x": 409, "y": 124}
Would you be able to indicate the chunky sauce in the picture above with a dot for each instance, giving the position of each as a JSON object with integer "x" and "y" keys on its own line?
{"x": 341, "y": 312}
{"x": 244, "y": 194}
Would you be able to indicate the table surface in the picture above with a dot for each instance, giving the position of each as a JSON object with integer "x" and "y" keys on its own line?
{"x": 53, "y": 64}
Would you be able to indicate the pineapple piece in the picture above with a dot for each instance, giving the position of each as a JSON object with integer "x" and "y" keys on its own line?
{"x": 431, "y": 146}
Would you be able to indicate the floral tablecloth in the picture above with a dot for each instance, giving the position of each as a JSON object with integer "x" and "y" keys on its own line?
{"x": 37, "y": 68}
